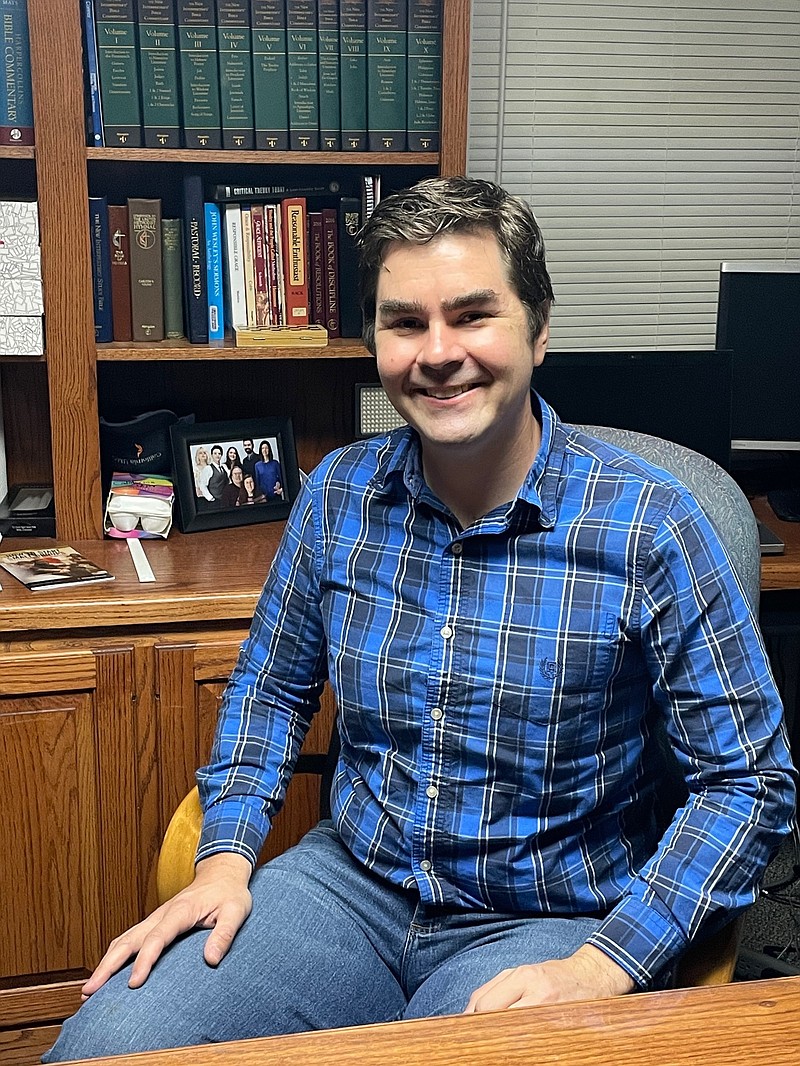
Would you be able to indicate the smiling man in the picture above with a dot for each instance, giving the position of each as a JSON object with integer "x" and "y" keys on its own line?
{"x": 505, "y": 608}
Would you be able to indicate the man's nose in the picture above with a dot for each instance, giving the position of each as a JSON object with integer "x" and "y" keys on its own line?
{"x": 441, "y": 345}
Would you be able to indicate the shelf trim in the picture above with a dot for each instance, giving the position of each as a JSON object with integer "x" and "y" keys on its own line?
{"x": 263, "y": 158}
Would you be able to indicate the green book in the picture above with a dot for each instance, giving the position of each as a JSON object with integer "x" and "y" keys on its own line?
{"x": 119, "y": 73}
{"x": 235, "y": 73}
{"x": 329, "y": 98}
{"x": 387, "y": 56}
{"x": 158, "y": 58}
{"x": 302, "y": 53}
{"x": 199, "y": 68}
{"x": 353, "y": 74}
{"x": 424, "y": 74}
{"x": 270, "y": 76}
{"x": 172, "y": 277}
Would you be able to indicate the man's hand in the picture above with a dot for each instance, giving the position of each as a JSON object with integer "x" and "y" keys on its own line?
{"x": 217, "y": 899}
{"x": 588, "y": 974}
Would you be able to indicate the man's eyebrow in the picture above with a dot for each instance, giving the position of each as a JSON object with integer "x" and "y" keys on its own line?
{"x": 400, "y": 307}
{"x": 478, "y": 297}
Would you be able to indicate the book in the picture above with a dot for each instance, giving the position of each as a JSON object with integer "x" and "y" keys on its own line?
{"x": 119, "y": 72}
{"x": 424, "y": 74}
{"x": 234, "y": 45}
{"x": 147, "y": 291}
{"x": 195, "y": 286}
{"x": 311, "y": 336}
{"x": 260, "y": 268}
{"x": 353, "y": 74}
{"x": 350, "y": 221}
{"x": 199, "y": 73}
{"x": 224, "y": 193}
{"x": 21, "y": 335}
{"x": 19, "y": 226}
{"x": 158, "y": 60}
{"x": 94, "y": 111}
{"x": 302, "y": 58}
{"x": 331, "y": 266}
{"x": 249, "y": 267}
{"x": 16, "y": 96}
{"x": 275, "y": 282}
{"x": 21, "y": 296}
{"x": 216, "y": 314}
{"x": 316, "y": 258}
{"x": 235, "y": 299}
{"x": 270, "y": 74}
{"x": 101, "y": 269}
{"x": 120, "y": 271}
{"x": 46, "y": 568}
{"x": 387, "y": 57}
{"x": 172, "y": 276}
{"x": 294, "y": 254}
{"x": 330, "y": 136}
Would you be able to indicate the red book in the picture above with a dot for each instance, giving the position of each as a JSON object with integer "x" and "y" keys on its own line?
{"x": 273, "y": 254}
{"x": 331, "y": 263}
{"x": 295, "y": 253}
{"x": 316, "y": 269}
{"x": 260, "y": 265}
{"x": 119, "y": 249}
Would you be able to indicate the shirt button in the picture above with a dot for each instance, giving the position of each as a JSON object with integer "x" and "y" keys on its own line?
{"x": 437, "y": 713}
{"x": 432, "y": 792}
{"x": 425, "y": 865}
{"x": 457, "y": 548}
{"x": 446, "y": 632}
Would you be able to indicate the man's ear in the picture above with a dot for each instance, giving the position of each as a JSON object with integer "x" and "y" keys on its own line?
{"x": 540, "y": 344}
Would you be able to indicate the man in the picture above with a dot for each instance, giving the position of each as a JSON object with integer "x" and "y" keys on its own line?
{"x": 250, "y": 459}
{"x": 505, "y": 608}
{"x": 219, "y": 477}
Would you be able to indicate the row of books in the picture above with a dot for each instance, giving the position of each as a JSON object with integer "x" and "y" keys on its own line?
{"x": 239, "y": 261}
{"x": 16, "y": 95}
{"x": 307, "y": 75}
{"x": 21, "y": 302}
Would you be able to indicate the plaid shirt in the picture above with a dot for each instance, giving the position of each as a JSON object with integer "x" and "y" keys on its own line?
{"x": 496, "y": 688}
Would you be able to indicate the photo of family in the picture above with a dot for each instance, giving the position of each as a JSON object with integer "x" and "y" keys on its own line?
{"x": 236, "y": 473}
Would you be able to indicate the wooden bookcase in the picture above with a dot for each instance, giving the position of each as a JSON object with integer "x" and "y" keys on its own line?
{"x": 108, "y": 694}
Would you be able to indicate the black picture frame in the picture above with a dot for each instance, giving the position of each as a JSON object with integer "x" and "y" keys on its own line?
{"x": 196, "y": 512}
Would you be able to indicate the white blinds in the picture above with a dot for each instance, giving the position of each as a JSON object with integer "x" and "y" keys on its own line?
{"x": 653, "y": 140}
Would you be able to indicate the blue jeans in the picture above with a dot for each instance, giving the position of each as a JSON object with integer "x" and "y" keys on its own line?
{"x": 327, "y": 944}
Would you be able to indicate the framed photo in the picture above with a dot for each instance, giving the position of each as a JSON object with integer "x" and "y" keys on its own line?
{"x": 234, "y": 473}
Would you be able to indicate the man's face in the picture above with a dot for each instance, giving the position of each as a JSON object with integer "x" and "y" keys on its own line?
{"x": 453, "y": 345}
{"x": 248, "y": 446}
{"x": 216, "y": 456}
{"x": 236, "y": 475}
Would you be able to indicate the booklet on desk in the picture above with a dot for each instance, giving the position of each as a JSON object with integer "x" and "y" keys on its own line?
{"x": 45, "y": 568}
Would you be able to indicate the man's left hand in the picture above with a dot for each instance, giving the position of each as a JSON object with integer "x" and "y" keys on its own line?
{"x": 588, "y": 974}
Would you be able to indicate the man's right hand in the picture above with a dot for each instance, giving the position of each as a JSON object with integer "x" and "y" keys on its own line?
{"x": 217, "y": 899}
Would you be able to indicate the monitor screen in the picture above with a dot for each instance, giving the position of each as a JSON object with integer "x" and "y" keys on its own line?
{"x": 682, "y": 396}
{"x": 758, "y": 319}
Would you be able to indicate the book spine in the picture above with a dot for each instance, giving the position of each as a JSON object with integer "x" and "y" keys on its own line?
{"x": 302, "y": 59}
{"x": 226, "y": 193}
{"x": 249, "y": 266}
{"x": 316, "y": 268}
{"x": 270, "y": 74}
{"x": 94, "y": 123}
{"x": 194, "y": 260}
{"x": 16, "y": 97}
{"x": 199, "y": 74}
{"x": 295, "y": 254}
{"x": 424, "y": 74}
{"x": 101, "y": 269}
{"x": 158, "y": 60}
{"x": 353, "y": 73}
{"x": 216, "y": 313}
{"x": 119, "y": 72}
{"x": 21, "y": 296}
{"x": 387, "y": 58}
{"x": 350, "y": 220}
{"x": 172, "y": 275}
{"x": 329, "y": 78}
{"x": 277, "y": 262}
{"x": 274, "y": 272}
{"x": 235, "y": 299}
{"x": 260, "y": 266}
{"x": 234, "y": 43}
{"x": 331, "y": 263}
{"x": 120, "y": 270}
{"x": 147, "y": 287}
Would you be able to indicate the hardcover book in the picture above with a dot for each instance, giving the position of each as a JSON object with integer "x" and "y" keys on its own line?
{"x": 235, "y": 299}
{"x": 353, "y": 73}
{"x": 199, "y": 74}
{"x": 119, "y": 72}
{"x": 147, "y": 292}
{"x": 158, "y": 56}
{"x": 249, "y": 266}
{"x": 94, "y": 110}
{"x": 216, "y": 314}
{"x": 275, "y": 284}
{"x": 316, "y": 260}
{"x": 119, "y": 256}
{"x": 387, "y": 57}
{"x": 16, "y": 96}
{"x": 424, "y": 74}
{"x": 195, "y": 288}
{"x": 295, "y": 256}
{"x": 270, "y": 74}
{"x": 234, "y": 44}
{"x": 101, "y": 268}
{"x": 46, "y": 568}
{"x": 350, "y": 221}
{"x": 260, "y": 268}
{"x": 302, "y": 49}
{"x": 172, "y": 276}
{"x": 331, "y": 263}
{"x": 329, "y": 96}
{"x": 225, "y": 193}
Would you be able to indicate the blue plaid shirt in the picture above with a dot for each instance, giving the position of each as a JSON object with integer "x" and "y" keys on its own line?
{"x": 496, "y": 688}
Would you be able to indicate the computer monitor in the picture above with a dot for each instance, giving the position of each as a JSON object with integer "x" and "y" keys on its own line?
{"x": 758, "y": 319}
{"x": 682, "y": 396}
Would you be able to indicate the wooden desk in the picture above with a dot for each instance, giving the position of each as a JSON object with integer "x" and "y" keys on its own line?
{"x": 729, "y": 1025}
{"x": 779, "y": 572}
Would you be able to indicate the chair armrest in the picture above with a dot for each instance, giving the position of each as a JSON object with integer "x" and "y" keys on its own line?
{"x": 176, "y": 858}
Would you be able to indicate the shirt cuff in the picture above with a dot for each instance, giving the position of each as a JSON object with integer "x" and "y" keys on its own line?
{"x": 237, "y": 825}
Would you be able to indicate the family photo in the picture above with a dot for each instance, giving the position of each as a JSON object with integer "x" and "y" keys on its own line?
{"x": 236, "y": 473}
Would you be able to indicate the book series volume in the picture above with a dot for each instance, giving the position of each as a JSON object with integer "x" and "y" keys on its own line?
{"x": 275, "y": 75}
{"x": 16, "y": 94}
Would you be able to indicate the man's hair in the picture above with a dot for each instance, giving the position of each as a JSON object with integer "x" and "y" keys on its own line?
{"x": 457, "y": 205}
{"x": 216, "y": 448}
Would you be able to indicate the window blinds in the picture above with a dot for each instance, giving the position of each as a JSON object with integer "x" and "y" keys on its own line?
{"x": 653, "y": 140}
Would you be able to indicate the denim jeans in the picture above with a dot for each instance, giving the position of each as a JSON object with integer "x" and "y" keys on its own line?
{"x": 327, "y": 944}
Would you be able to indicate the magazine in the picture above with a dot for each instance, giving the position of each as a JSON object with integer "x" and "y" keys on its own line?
{"x": 45, "y": 568}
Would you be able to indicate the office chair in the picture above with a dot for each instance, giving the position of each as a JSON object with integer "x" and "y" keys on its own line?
{"x": 712, "y": 960}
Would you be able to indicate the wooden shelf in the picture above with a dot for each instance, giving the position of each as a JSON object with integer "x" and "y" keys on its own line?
{"x": 264, "y": 158}
{"x": 182, "y": 350}
{"x": 14, "y": 151}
